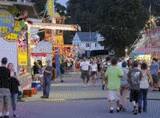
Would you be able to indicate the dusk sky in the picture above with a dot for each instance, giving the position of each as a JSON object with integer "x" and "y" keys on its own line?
{"x": 63, "y": 2}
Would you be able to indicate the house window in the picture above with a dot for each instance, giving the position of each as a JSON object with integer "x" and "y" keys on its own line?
{"x": 87, "y": 44}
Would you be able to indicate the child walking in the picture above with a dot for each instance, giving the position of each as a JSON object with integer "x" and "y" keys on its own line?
{"x": 114, "y": 75}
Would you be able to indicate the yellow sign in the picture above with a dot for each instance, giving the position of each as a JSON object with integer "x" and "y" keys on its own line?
{"x": 59, "y": 40}
{"x": 50, "y": 7}
{"x": 3, "y": 29}
{"x": 22, "y": 57}
{"x": 143, "y": 57}
{"x": 17, "y": 29}
{"x": 11, "y": 36}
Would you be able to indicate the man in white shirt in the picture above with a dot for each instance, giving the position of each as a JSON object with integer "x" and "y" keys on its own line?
{"x": 85, "y": 65}
{"x": 119, "y": 64}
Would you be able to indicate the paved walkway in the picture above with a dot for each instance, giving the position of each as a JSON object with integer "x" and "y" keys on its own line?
{"x": 82, "y": 109}
{"x": 72, "y": 89}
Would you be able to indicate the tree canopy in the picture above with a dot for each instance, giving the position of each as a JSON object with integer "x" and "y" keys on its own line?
{"x": 119, "y": 21}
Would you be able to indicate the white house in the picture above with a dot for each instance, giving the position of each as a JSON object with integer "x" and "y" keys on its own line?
{"x": 88, "y": 41}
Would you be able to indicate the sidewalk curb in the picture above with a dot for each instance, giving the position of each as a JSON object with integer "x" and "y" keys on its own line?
{"x": 78, "y": 99}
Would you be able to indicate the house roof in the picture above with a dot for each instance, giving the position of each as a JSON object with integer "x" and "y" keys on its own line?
{"x": 87, "y": 36}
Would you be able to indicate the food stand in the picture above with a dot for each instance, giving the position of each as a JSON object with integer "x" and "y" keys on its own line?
{"x": 149, "y": 46}
{"x": 13, "y": 45}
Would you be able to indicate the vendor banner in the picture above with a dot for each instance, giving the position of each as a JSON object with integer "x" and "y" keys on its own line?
{"x": 22, "y": 57}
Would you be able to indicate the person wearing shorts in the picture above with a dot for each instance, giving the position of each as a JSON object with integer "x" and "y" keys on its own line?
{"x": 4, "y": 89}
{"x": 85, "y": 66}
{"x": 114, "y": 95}
{"x": 94, "y": 69}
{"x": 114, "y": 74}
{"x": 154, "y": 72}
{"x": 134, "y": 77}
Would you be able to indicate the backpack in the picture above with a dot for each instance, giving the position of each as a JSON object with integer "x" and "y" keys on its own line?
{"x": 106, "y": 66}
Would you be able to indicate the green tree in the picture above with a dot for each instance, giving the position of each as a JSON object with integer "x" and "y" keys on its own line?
{"x": 82, "y": 12}
{"x": 119, "y": 21}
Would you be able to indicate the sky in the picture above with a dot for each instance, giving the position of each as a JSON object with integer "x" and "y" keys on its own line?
{"x": 63, "y": 2}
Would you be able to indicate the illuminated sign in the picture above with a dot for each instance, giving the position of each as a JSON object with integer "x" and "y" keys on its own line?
{"x": 22, "y": 57}
{"x": 6, "y": 22}
{"x": 9, "y": 28}
{"x": 59, "y": 40}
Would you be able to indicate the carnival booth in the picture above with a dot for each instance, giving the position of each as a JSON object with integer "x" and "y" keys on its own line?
{"x": 142, "y": 54}
{"x": 42, "y": 51}
{"x": 149, "y": 46}
{"x": 14, "y": 46}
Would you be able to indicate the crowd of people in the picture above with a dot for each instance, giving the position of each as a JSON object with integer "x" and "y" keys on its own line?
{"x": 120, "y": 77}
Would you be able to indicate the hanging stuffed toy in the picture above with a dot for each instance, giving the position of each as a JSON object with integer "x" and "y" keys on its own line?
{"x": 23, "y": 19}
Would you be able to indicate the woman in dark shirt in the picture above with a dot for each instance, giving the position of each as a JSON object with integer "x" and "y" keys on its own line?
{"x": 14, "y": 83}
{"x": 36, "y": 71}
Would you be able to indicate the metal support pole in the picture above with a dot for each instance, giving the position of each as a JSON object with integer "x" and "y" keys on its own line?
{"x": 29, "y": 48}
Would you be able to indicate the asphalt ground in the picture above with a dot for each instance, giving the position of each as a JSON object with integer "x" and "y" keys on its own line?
{"x": 82, "y": 109}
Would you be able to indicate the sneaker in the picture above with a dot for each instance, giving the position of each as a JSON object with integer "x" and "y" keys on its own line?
{"x": 135, "y": 111}
{"x": 111, "y": 111}
{"x": 44, "y": 96}
{"x": 118, "y": 109}
{"x": 121, "y": 107}
{"x": 62, "y": 80}
{"x": 84, "y": 85}
{"x": 139, "y": 110}
{"x": 103, "y": 87}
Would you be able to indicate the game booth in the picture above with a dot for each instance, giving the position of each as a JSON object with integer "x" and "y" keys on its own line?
{"x": 149, "y": 46}
{"x": 14, "y": 45}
